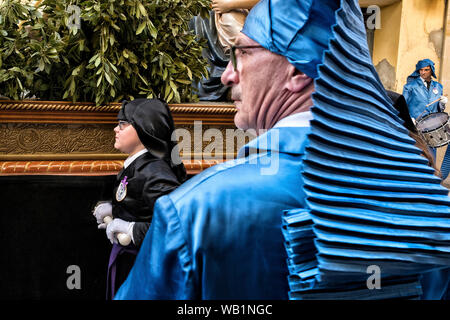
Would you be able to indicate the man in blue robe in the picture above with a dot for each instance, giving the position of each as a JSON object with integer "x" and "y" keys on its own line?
{"x": 219, "y": 235}
{"x": 421, "y": 90}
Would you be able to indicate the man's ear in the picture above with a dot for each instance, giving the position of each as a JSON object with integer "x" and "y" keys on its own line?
{"x": 297, "y": 80}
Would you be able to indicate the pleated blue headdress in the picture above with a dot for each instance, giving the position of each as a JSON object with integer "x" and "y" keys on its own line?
{"x": 422, "y": 64}
{"x": 374, "y": 206}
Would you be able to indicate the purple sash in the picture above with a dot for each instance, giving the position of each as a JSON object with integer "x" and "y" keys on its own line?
{"x": 116, "y": 251}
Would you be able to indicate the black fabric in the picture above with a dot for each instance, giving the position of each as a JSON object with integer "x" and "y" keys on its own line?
{"x": 47, "y": 226}
{"x": 154, "y": 125}
{"x": 139, "y": 231}
{"x": 148, "y": 178}
{"x": 399, "y": 103}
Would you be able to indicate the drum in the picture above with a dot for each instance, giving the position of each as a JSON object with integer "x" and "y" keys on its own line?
{"x": 435, "y": 129}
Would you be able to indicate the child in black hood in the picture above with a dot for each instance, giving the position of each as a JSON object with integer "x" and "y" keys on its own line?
{"x": 152, "y": 169}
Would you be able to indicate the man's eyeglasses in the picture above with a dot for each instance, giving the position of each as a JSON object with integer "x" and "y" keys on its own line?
{"x": 123, "y": 124}
{"x": 233, "y": 53}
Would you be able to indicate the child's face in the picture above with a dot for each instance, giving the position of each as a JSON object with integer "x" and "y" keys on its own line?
{"x": 127, "y": 139}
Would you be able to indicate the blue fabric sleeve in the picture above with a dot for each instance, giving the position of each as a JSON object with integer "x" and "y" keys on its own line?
{"x": 406, "y": 94}
{"x": 163, "y": 266}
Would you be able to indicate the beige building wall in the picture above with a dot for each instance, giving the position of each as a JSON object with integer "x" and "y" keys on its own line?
{"x": 445, "y": 73}
{"x": 445, "y": 63}
{"x": 421, "y": 36}
{"x": 386, "y": 44}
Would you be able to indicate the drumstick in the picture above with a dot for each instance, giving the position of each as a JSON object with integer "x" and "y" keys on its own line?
{"x": 429, "y": 105}
{"x": 433, "y": 102}
{"x": 124, "y": 239}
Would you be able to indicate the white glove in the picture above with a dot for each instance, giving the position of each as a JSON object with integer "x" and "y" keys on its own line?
{"x": 443, "y": 100}
{"x": 101, "y": 210}
{"x": 119, "y": 226}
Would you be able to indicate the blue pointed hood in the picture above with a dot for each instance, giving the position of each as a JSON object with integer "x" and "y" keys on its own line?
{"x": 422, "y": 64}
{"x": 298, "y": 30}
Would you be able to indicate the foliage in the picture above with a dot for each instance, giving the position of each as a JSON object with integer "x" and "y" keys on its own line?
{"x": 120, "y": 49}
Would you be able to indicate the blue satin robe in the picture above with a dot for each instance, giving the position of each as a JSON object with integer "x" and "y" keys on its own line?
{"x": 218, "y": 236}
{"x": 418, "y": 96}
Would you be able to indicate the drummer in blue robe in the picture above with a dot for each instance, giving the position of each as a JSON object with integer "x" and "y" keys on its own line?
{"x": 420, "y": 92}
{"x": 335, "y": 185}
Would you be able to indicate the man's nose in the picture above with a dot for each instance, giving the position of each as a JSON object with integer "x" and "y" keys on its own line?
{"x": 229, "y": 76}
